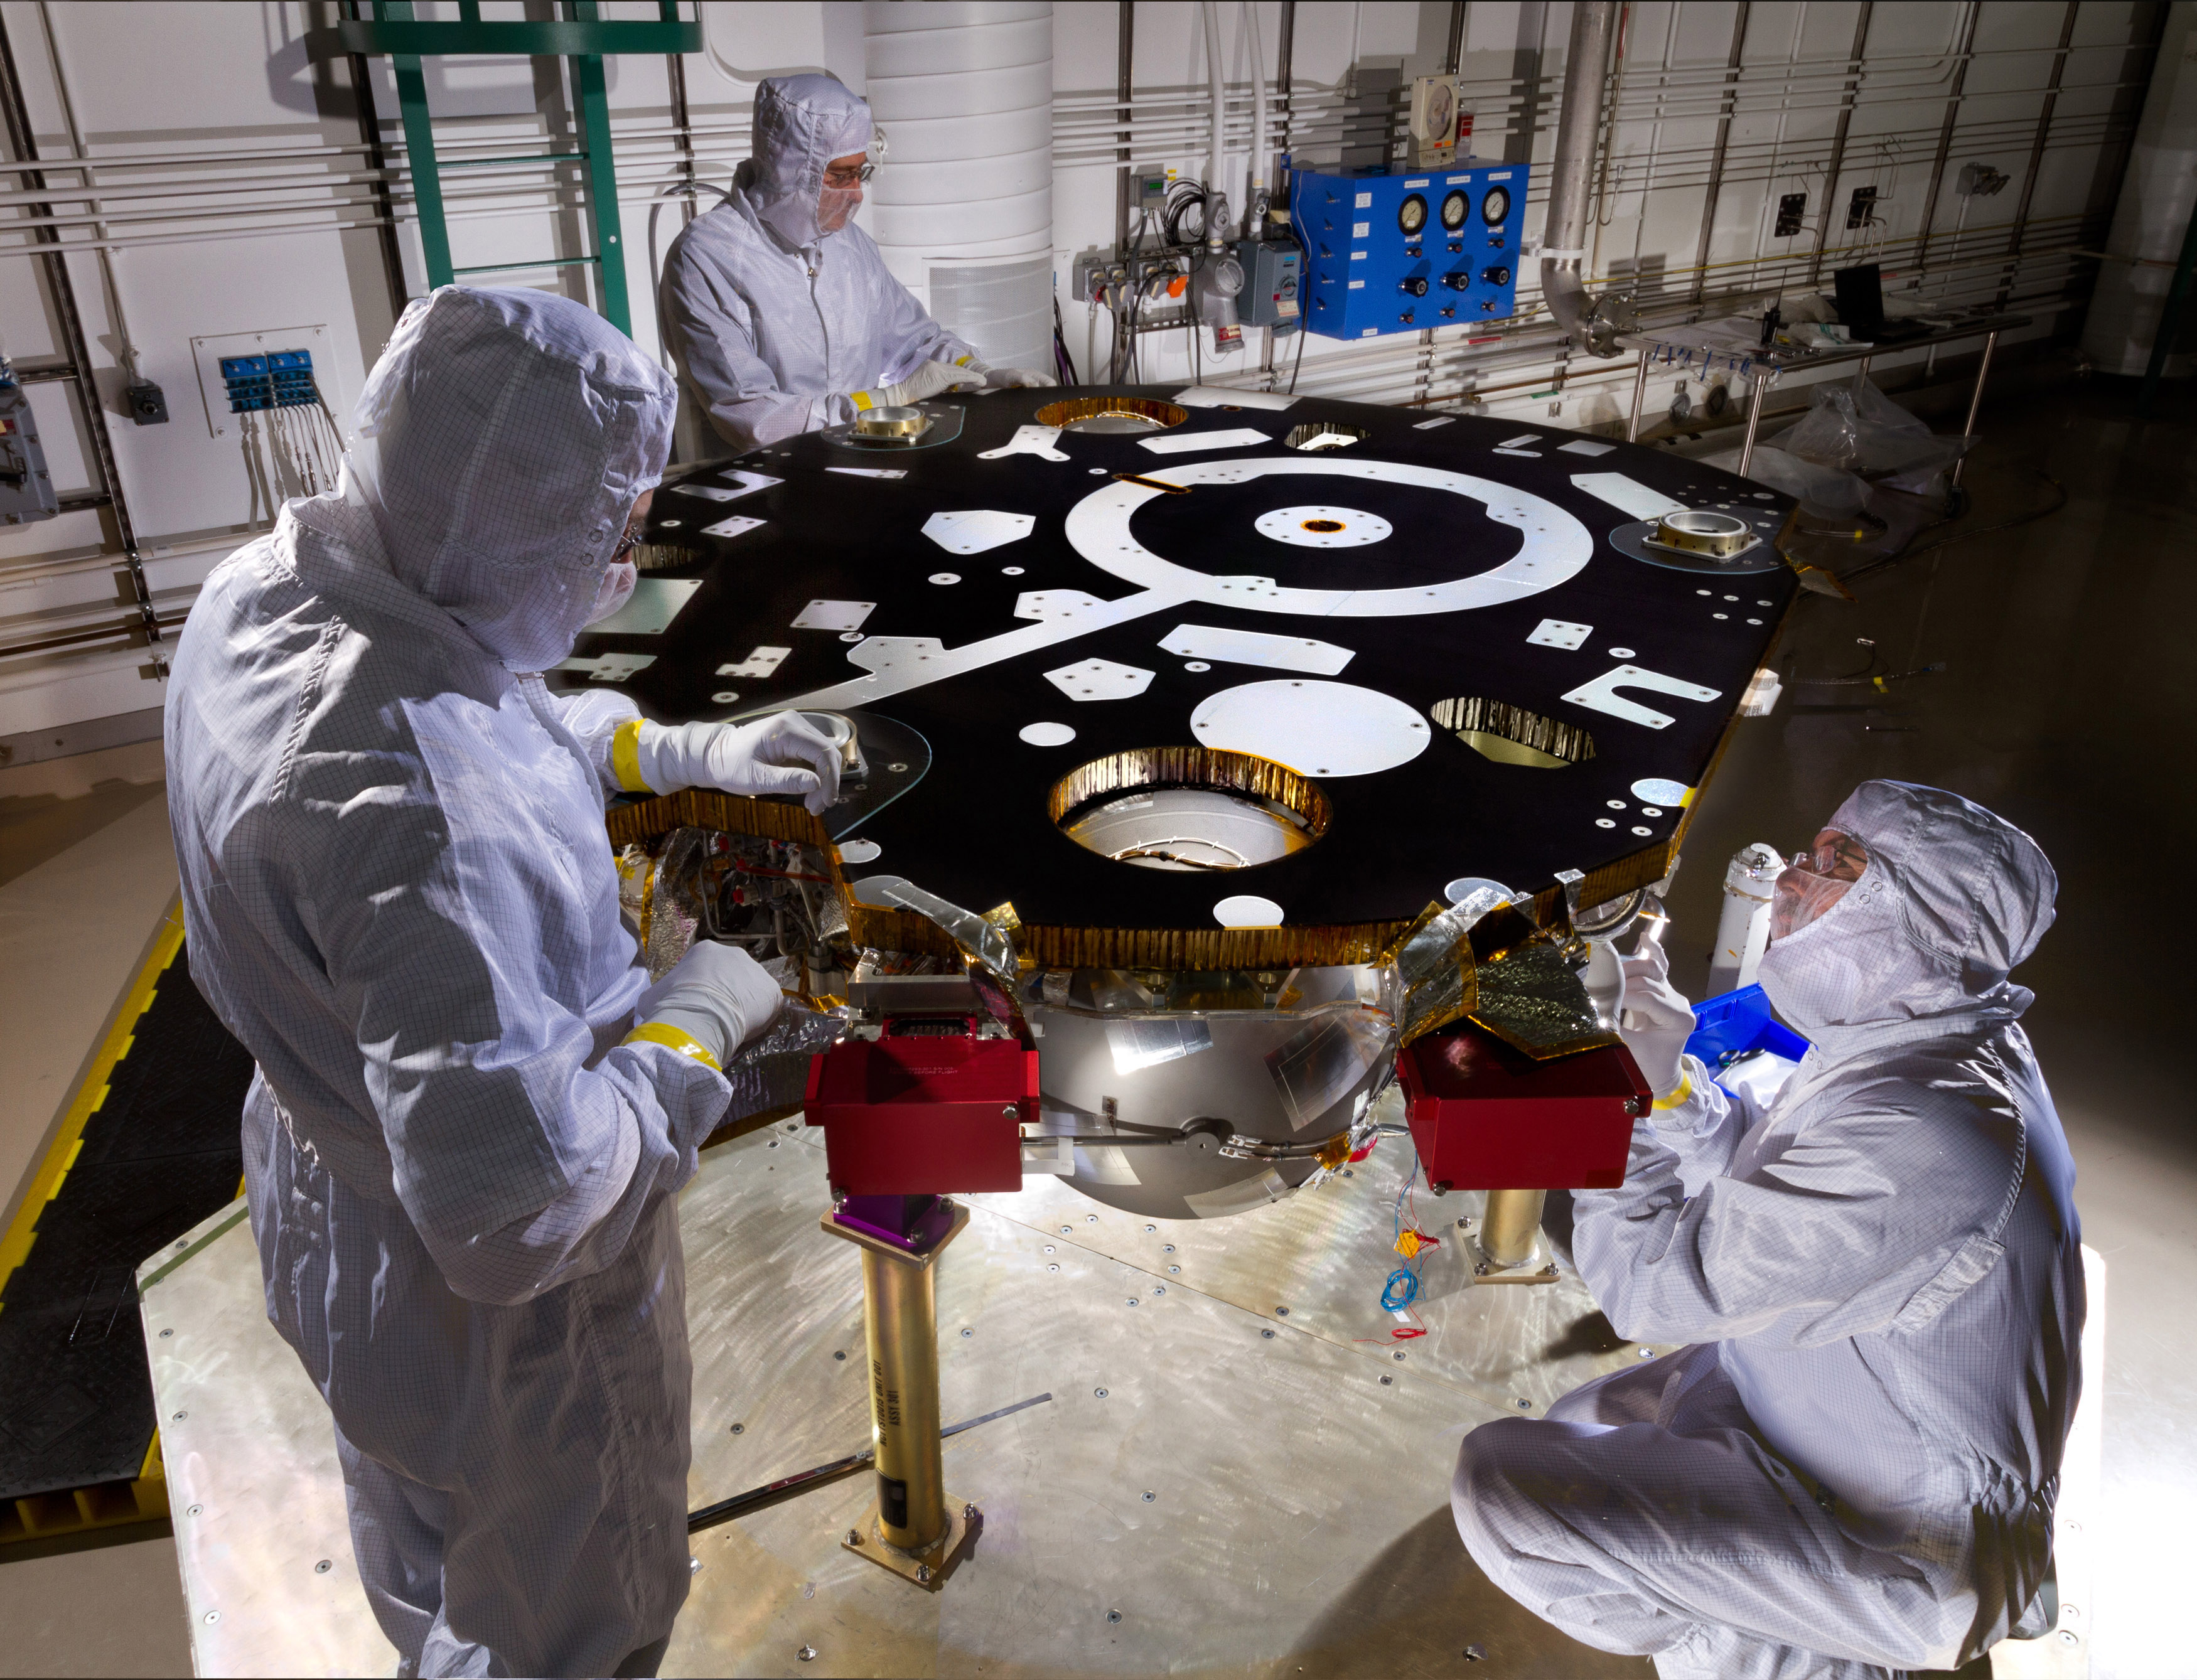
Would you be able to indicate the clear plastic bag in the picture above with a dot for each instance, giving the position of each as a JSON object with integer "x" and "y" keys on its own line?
{"x": 1858, "y": 463}
{"x": 1861, "y": 431}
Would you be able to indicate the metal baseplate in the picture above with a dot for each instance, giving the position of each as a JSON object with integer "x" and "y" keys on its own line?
{"x": 929, "y": 1567}
{"x": 1538, "y": 1267}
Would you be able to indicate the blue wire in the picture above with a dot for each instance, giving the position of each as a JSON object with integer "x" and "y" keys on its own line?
{"x": 1402, "y": 1287}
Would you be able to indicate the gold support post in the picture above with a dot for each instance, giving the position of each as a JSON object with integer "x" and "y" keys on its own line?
{"x": 1509, "y": 1226}
{"x": 917, "y": 1529}
{"x": 900, "y": 1314}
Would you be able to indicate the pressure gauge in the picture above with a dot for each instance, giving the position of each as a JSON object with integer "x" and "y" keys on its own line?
{"x": 1412, "y": 214}
{"x": 1495, "y": 205}
{"x": 1455, "y": 208}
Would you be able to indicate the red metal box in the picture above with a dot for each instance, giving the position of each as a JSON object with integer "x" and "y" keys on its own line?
{"x": 1485, "y": 1116}
{"x": 928, "y": 1108}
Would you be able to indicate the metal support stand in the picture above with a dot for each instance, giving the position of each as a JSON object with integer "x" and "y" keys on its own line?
{"x": 22, "y": 140}
{"x": 1861, "y": 373}
{"x": 917, "y": 1529}
{"x": 1639, "y": 394}
{"x": 1757, "y": 396}
{"x": 1976, "y": 400}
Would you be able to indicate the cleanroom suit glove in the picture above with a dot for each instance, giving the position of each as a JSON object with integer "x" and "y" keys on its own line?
{"x": 1655, "y": 1020}
{"x": 1007, "y": 378}
{"x": 927, "y": 380}
{"x": 783, "y": 753}
{"x": 714, "y": 999}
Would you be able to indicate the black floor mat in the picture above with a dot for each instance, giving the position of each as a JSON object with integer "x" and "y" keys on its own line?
{"x": 162, "y": 1153}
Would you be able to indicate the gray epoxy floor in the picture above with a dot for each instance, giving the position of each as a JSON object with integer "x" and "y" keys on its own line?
{"x": 2067, "y": 706}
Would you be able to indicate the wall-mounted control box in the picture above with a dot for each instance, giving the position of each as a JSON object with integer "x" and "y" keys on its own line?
{"x": 1273, "y": 285}
{"x": 1402, "y": 250}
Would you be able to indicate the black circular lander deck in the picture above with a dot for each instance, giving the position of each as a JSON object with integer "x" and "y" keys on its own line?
{"x": 1406, "y": 612}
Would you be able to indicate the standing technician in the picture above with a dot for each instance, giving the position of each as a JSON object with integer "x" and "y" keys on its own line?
{"x": 468, "y": 1119}
{"x": 781, "y": 313}
{"x": 1851, "y": 1470}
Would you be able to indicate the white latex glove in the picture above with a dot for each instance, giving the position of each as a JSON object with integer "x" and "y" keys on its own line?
{"x": 1007, "y": 378}
{"x": 715, "y": 999}
{"x": 1655, "y": 1020}
{"x": 783, "y": 753}
{"x": 928, "y": 380}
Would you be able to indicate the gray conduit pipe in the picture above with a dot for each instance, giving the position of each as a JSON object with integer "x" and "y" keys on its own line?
{"x": 1579, "y": 125}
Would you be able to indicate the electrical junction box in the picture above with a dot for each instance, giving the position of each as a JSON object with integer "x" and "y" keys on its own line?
{"x": 1485, "y": 1116}
{"x": 1401, "y": 250}
{"x": 26, "y": 490}
{"x": 928, "y": 1107}
{"x": 1273, "y": 285}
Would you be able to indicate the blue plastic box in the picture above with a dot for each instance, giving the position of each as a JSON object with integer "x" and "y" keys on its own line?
{"x": 1739, "y": 1023}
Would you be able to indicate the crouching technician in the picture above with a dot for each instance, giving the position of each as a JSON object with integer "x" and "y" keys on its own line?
{"x": 1850, "y": 1469}
{"x": 468, "y": 1120}
{"x": 781, "y": 312}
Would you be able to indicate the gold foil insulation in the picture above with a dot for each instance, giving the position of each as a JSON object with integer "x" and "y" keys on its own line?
{"x": 1208, "y": 768}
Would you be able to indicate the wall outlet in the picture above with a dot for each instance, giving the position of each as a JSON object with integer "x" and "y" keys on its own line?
{"x": 206, "y": 352}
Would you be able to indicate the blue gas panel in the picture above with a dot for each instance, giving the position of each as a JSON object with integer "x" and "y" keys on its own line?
{"x": 1398, "y": 252}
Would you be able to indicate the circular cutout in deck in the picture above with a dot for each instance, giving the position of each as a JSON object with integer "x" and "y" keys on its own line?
{"x": 1188, "y": 808}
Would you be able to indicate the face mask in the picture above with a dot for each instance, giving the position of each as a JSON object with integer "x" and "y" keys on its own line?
{"x": 835, "y": 206}
{"x": 615, "y": 590}
{"x": 1816, "y": 880}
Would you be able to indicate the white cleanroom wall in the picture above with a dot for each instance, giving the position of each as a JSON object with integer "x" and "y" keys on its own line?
{"x": 228, "y": 172}
{"x": 2152, "y": 217}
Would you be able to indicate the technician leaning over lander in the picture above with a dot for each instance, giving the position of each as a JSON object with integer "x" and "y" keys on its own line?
{"x": 1852, "y": 1470}
{"x": 469, "y": 1120}
{"x": 782, "y": 313}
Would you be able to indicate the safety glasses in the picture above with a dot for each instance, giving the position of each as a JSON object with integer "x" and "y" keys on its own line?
{"x": 1814, "y": 880}
{"x": 1836, "y": 856}
{"x": 844, "y": 178}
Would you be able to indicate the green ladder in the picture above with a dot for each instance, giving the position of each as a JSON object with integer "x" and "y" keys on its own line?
{"x": 580, "y": 33}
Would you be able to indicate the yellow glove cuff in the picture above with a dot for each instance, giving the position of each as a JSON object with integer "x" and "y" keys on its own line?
{"x": 1685, "y": 1089}
{"x": 625, "y": 757}
{"x": 655, "y": 1032}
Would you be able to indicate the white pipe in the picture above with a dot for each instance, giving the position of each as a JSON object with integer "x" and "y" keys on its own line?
{"x": 1216, "y": 164}
{"x": 1257, "y": 190}
{"x": 128, "y": 344}
{"x": 1578, "y": 127}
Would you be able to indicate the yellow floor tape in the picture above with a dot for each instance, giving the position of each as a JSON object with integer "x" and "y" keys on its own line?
{"x": 75, "y": 1510}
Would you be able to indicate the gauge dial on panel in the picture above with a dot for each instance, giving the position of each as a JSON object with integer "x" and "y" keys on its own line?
{"x": 1455, "y": 208}
{"x": 1495, "y": 205}
{"x": 1412, "y": 214}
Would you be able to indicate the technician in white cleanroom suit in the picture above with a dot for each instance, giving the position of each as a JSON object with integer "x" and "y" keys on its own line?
{"x": 459, "y": 1150}
{"x": 782, "y": 315}
{"x": 1850, "y": 1471}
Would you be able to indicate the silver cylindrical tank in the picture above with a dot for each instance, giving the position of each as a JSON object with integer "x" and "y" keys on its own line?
{"x": 1743, "y": 925}
{"x": 962, "y": 208}
{"x": 1233, "y": 1100}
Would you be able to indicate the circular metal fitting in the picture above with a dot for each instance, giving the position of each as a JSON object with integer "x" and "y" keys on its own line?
{"x": 892, "y": 422}
{"x": 1698, "y": 531}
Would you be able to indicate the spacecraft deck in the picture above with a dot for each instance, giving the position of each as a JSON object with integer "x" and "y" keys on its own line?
{"x": 1009, "y": 606}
